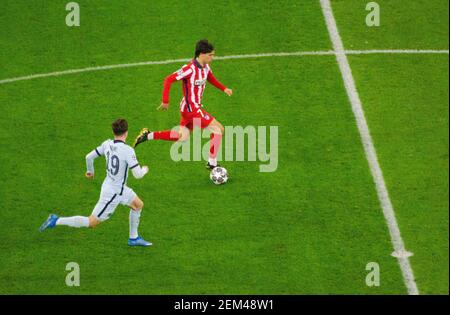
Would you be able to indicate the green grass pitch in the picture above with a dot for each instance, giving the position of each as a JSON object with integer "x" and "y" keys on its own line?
{"x": 310, "y": 227}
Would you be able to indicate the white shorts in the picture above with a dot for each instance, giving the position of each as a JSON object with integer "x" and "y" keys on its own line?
{"x": 110, "y": 199}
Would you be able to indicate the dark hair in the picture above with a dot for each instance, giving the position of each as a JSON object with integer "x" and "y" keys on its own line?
{"x": 119, "y": 127}
{"x": 203, "y": 47}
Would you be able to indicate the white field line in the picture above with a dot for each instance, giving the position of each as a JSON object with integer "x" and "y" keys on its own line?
{"x": 395, "y": 51}
{"x": 399, "y": 248}
{"x": 174, "y": 61}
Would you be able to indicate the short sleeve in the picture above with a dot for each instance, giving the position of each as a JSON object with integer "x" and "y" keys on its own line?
{"x": 184, "y": 73}
{"x": 100, "y": 150}
{"x": 132, "y": 159}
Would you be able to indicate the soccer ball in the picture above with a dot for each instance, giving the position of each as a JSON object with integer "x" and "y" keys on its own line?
{"x": 219, "y": 175}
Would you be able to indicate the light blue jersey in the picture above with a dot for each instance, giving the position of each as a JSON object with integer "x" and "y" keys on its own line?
{"x": 120, "y": 158}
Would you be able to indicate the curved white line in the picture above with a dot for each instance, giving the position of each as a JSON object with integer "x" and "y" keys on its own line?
{"x": 246, "y": 56}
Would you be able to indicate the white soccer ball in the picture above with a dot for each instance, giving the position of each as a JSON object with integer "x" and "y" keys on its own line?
{"x": 219, "y": 175}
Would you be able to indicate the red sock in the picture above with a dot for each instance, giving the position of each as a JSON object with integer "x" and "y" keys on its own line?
{"x": 167, "y": 135}
{"x": 214, "y": 144}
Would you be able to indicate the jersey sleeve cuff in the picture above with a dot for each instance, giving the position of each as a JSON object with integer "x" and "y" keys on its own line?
{"x": 134, "y": 166}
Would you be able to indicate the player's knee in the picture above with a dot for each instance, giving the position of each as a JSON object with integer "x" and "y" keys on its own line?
{"x": 218, "y": 128}
{"x": 93, "y": 221}
{"x": 183, "y": 135}
{"x": 137, "y": 204}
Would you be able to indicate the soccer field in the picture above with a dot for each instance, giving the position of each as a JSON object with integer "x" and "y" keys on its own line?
{"x": 309, "y": 227}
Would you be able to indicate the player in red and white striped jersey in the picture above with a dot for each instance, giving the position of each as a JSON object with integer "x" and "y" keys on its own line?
{"x": 193, "y": 76}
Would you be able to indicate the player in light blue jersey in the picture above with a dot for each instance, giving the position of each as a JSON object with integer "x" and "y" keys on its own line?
{"x": 120, "y": 158}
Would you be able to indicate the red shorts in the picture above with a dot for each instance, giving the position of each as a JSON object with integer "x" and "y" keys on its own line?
{"x": 199, "y": 118}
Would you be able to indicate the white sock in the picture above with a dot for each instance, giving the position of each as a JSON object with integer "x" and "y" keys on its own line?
{"x": 150, "y": 136}
{"x": 134, "y": 223}
{"x": 76, "y": 221}
{"x": 212, "y": 161}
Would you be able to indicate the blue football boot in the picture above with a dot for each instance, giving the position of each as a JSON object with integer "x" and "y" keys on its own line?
{"x": 138, "y": 241}
{"x": 49, "y": 223}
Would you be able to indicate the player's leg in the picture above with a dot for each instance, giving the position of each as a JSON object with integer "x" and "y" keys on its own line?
{"x": 167, "y": 135}
{"x": 54, "y": 220}
{"x": 93, "y": 221}
{"x": 136, "y": 207}
{"x": 217, "y": 131}
{"x": 130, "y": 199}
{"x": 75, "y": 221}
{"x": 105, "y": 207}
{"x": 182, "y": 134}
{"x": 185, "y": 131}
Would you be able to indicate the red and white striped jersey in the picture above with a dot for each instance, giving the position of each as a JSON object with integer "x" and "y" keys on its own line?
{"x": 194, "y": 78}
